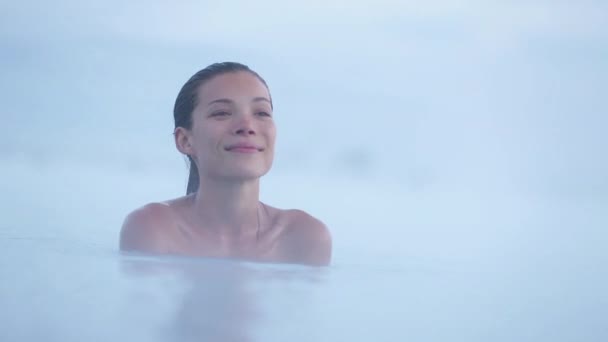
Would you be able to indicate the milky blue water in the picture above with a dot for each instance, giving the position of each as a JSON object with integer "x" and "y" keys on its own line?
{"x": 60, "y": 289}
{"x": 456, "y": 151}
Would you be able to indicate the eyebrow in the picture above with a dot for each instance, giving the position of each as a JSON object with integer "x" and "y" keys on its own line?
{"x": 228, "y": 101}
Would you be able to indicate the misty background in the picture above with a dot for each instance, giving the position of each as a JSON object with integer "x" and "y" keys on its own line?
{"x": 465, "y": 105}
{"x": 462, "y": 132}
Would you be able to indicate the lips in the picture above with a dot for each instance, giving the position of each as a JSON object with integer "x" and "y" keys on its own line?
{"x": 244, "y": 147}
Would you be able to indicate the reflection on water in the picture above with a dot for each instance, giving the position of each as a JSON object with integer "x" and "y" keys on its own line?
{"x": 219, "y": 301}
{"x": 217, "y": 306}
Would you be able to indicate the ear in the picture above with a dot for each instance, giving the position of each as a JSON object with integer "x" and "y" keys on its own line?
{"x": 183, "y": 140}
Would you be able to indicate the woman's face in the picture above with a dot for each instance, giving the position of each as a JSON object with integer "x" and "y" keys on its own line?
{"x": 233, "y": 131}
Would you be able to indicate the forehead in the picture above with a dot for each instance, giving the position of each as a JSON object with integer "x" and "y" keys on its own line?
{"x": 232, "y": 85}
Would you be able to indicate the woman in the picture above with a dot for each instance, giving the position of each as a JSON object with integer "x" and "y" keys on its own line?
{"x": 224, "y": 124}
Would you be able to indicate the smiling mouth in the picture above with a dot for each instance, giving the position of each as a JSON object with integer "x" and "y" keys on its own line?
{"x": 244, "y": 149}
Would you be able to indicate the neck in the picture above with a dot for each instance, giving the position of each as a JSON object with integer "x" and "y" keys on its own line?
{"x": 230, "y": 207}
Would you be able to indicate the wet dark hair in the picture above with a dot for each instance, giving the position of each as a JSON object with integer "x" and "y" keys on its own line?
{"x": 187, "y": 100}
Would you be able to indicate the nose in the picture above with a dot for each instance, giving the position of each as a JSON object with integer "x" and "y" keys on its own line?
{"x": 244, "y": 126}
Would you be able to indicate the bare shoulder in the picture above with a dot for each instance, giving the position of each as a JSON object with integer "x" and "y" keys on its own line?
{"x": 145, "y": 229}
{"x": 307, "y": 239}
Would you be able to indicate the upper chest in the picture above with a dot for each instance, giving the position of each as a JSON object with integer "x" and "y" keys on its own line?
{"x": 266, "y": 242}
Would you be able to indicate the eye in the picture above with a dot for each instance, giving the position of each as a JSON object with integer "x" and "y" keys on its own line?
{"x": 220, "y": 113}
{"x": 262, "y": 113}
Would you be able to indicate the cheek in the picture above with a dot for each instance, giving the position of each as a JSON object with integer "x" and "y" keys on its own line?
{"x": 205, "y": 145}
{"x": 272, "y": 135}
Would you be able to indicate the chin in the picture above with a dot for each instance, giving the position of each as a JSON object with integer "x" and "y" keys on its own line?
{"x": 244, "y": 173}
